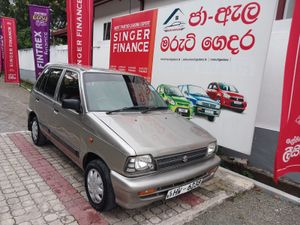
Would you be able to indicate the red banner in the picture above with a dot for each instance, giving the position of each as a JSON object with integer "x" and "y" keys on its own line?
{"x": 132, "y": 43}
{"x": 80, "y": 30}
{"x": 10, "y": 47}
{"x": 288, "y": 150}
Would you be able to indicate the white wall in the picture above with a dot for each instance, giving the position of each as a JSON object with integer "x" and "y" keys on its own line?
{"x": 269, "y": 108}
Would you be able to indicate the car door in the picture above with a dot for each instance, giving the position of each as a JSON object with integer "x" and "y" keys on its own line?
{"x": 44, "y": 97}
{"x": 67, "y": 122}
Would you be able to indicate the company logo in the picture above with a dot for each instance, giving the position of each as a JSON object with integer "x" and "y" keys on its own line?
{"x": 291, "y": 152}
{"x": 298, "y": 120}
{"x": 184, "y": 159}
{"x": 40, "y": 18}
{"x": 175, "y": 21}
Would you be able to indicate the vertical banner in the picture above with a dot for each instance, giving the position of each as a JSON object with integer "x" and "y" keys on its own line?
{"x": 288, "y": 150}
{"x": 80, "y": 31}
{"x": 132, "y": 43}
{"x": 10, "y": 48}
{"x": 40, "y": 35}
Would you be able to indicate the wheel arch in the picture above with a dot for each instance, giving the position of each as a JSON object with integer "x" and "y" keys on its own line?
{"x": 90, "y": 156}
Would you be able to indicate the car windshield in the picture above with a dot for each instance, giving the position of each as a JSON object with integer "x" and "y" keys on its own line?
{"x": 173, "y": 91}
{"x": 108, "y": 92}
{"x": 195, "y": 90}
{"x": 226, "y": 87}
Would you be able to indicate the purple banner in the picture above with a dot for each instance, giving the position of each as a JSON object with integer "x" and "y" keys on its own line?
{"x": 1, "y": 47}
{"x": 40, "y": 34}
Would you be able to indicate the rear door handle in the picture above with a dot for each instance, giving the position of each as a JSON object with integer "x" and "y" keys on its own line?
{"x": 55, "y": 111}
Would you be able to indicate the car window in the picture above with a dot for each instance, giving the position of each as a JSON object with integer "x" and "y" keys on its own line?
{"x": 184, "y": 90}
{"x": 69, "y": 88}
{"x": 52, "y": 80}
{"x": 41, "y": 80}
{"x": 215, "y": 87}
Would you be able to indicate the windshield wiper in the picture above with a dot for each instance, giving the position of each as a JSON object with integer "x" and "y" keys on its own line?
{"x": 154, "y": 108}
{"x": 127, "y": 108}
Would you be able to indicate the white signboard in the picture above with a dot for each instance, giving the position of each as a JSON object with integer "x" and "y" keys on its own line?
{"x": 221, "y": 47}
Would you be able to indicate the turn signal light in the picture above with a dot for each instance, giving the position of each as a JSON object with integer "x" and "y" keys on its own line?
{"x": 147, "y": 192}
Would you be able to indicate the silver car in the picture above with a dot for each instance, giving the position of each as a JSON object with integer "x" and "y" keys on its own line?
{"x": 116, "y": 127}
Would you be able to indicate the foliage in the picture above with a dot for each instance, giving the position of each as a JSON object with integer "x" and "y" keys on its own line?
{"x": 19, "y": 9}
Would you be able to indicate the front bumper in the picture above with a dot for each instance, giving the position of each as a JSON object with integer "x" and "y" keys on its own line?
{"x": 127, "y": 189}
{"x": 234, "y": 104}
{"x": 207, "y": 111}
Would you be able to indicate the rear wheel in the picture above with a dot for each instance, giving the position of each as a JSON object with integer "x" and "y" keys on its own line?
{"x": 211, "y": 118}
{"x": 98, "y": 186}
{"x": 37, "y": 136}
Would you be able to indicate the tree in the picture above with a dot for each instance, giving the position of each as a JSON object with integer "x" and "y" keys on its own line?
{"x": 19, "y": 9}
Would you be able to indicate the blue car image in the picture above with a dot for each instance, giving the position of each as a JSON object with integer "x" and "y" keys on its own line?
{"x": 203, "y": 104}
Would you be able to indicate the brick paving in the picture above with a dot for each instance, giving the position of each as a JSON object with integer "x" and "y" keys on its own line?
{"x": 40, "y": 185}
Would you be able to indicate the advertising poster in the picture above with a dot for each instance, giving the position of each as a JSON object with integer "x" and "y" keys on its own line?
{"x": 80, "y": 31}
{"x": 10, "y": 48}
{"x": 40, "y": 36}
{"x": 132, "y": 43}
{"x": 288, "y": 150}
{"x": 213, "y": 53}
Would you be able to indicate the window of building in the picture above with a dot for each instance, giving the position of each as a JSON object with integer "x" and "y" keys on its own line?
{"x": 285, "y": 9}
{"x": 106, "y": 31}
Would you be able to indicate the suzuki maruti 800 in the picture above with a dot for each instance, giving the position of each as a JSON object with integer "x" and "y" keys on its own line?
{"x": 117, "y": 128}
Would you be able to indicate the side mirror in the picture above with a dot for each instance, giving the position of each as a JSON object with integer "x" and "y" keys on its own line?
{"x": 72, "y": 104}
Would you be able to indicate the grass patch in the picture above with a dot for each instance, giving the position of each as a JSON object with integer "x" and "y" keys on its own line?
{"x": 27, "y": 85}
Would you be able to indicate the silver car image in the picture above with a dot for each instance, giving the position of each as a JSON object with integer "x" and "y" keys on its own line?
{"x": 119, "y": 131}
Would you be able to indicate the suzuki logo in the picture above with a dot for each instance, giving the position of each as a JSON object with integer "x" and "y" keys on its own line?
{"x": 185, "y": 159}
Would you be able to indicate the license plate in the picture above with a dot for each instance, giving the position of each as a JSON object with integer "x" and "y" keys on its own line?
{"x": 237, "y": 103}
{"x": 209, "y": 111}
{"x": 182, "y": 110}
{"x": 183, "y": 189}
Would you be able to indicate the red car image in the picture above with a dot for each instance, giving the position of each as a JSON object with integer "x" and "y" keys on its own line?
{"x": 227, "y": 95}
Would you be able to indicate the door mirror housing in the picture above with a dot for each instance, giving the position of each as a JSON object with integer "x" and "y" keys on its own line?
{"x": 71, "y": 104}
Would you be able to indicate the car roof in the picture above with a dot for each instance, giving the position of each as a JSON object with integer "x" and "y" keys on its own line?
{"x": 90, "y": 69}
{"x": 168, "y": 85}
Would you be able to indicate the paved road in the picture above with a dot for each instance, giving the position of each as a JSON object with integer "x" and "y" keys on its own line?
{"x": 13, "y": 104}
{"x": 251, "y": 208}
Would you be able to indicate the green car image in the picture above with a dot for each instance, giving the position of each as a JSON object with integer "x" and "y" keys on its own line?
{"x": 175, "y": 100}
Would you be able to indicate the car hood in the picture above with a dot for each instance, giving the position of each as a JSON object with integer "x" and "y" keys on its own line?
{"x": 204, "y": 99}
{"x": 181, "y": 100}
{"x": 157, "y": 133}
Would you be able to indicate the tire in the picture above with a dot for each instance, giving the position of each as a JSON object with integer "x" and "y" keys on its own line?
{"x": 211, "y": 118}
{"x": 37, "y": 136}
{"x": 94, "y": 170}
{"x": 240, "y": 110}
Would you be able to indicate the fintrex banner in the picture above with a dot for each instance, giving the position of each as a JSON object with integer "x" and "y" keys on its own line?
{"x": 80, "y": 27}
{"x": 132, "y": 43}
{"x": 288, "y": 150}
{"x": 40, "y": 35}
{"x": 10, "y": 48}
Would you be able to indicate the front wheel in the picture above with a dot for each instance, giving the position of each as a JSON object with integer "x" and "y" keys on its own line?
{"x": 37, "y": 136}
{"x": 98, "y": 186}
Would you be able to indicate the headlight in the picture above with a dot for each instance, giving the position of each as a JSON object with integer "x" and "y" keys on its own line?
{"x": 137, "y": 164}
{"x": 226, "y": 95}
{"x": 199, "y": 103}
{"x": 171, "y": 101}
{"x": 218, "y": 106}
{"x": 211, "y": 148}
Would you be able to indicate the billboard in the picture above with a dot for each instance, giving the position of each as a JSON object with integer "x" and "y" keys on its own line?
{"x": 132, "y": 37}
{"x": 208, "y": 63}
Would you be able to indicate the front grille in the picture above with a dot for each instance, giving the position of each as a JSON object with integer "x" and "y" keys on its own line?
{"x": 237, "y": 105}
{"x": 237, "y": 99}
{"x": 207, "y": 105}
{"x": 181, "y": 159}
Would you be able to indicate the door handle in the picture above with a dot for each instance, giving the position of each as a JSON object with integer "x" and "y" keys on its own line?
{"x": 55, "y": 111}
{"x": 37, "y": 99}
